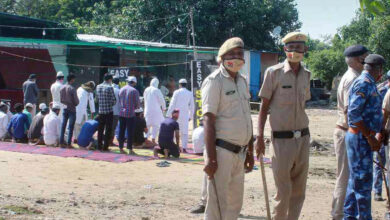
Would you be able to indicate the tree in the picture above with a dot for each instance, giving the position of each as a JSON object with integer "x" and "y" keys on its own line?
{"x": 214, "y": 20}
{"x": 326, "y": 64}
{"x": 375, "y": 7}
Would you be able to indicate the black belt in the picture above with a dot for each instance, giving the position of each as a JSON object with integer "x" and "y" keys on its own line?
{"x": 229, "y": 146}
{"x": 291, "y": 134}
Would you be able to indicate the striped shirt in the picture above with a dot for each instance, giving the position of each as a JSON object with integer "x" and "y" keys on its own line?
{"x": 106, "y": 98}
{"x": 129, "y": 101}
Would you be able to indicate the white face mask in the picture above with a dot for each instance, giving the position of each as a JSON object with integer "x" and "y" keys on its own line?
{"x": 294, "y": 57}
{"x": 233, "y": 65}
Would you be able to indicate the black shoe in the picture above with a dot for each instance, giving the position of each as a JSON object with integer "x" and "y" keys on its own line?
{"x": 378, "y": 198}
{"x": 198, "y": 210}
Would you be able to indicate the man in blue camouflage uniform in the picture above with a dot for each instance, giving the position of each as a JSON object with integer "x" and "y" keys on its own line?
{"x": 378, "y": 179}
{"x": 363, "y": 137}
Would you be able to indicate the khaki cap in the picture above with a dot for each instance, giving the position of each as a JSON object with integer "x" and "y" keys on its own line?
{"x": 294, "y": 37}
{"x": 229, "y": 45}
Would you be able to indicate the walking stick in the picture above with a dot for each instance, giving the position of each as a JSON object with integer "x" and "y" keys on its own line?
{"x": 265, "y": 186}
{"x": 216, "y": 192}
{"x": 384, "y": 178}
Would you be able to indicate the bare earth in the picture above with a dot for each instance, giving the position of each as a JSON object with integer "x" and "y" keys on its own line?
{"x": 72, "y": 188}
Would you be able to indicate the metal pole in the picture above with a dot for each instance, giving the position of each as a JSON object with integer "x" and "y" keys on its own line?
{"x": 265, "y": 186}
{"x": 193, "y": 34}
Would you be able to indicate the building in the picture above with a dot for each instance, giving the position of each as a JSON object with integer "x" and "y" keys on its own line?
{"x": 45, "y": 51}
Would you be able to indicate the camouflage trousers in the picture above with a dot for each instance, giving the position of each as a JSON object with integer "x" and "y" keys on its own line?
{"x": 358, "y": 198}
{"x": 378, "y": 178}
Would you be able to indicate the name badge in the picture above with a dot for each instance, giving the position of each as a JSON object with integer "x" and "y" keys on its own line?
{"x": 230, "y": 92}
{"x": 286, "y": 87}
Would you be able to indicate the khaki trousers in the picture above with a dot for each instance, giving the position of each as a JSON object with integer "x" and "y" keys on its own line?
{"x": 290, "y": 165}
{"x": 229, "y": 181}
{"x": 342, "y": 174}
{"x": 203, "y": 200}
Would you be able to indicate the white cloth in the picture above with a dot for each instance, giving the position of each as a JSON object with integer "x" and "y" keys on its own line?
{"x": 85, "y": 98}
{"x": 183, "y": 100}
{"x": 116, "y": 108}
{"x": 3, "y": 124}
{"x": 55, "y": 91}
{"x": 154, "y": 105}
{"x": 51, "y": 128}
{"x": 9, "y": 114}
{"x": 198, "y": 139}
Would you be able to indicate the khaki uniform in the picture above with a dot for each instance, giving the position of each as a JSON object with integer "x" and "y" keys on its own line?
{"x": 288, "y": 94}
{"x": 386, "y": 106}
{"x": 228, "y": 100}
{"x": 339, "y": 144}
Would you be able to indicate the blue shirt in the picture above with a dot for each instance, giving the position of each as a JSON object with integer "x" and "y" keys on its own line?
{"x": 85, "y": 137}
{"x": 365, "y": 103}
{"x": 167, "y": 130}
{"x": 17, "y": 125}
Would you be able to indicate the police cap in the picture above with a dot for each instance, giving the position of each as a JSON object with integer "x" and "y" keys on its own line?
{"x": 374, "y": 59}
{"x": 355, "y": 51}
{"x": 294, "y": 37}
{"x": 229, "y": 45}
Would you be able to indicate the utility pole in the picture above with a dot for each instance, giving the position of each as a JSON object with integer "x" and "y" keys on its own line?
{"x": 193, "y": 34}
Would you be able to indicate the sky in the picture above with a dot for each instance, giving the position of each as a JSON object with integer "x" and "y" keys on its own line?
{"x": 322, "y": 17}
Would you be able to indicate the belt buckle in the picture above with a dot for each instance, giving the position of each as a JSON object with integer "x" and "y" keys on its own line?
{"x": 297, "y": 134}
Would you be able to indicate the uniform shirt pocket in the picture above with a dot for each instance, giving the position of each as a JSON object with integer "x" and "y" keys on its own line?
{"x": 286, "y": 95}
{"x": 231, "y": 101}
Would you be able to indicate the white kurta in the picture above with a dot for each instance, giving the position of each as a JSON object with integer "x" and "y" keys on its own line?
{"x": 51, "y": 128}
{"x": 3, "y": 124}
{"x": 85, "y": 98}
{"x": 183, "y": 100}
{"x": 55, "y": 92}
{"x": 154, "y": 104}
{"x": 198, "y": 139}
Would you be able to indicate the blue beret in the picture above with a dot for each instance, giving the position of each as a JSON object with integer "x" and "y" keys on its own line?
{"x": 374, "y": 59}
{"x": 388, "y": 74}
{"x": 355, "y": 51}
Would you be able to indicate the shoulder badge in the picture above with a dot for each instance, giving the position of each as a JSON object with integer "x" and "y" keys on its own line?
{"x": 361, "y": 94}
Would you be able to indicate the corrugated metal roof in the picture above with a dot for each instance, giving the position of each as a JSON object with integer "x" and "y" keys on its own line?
{"x": 104, "y": 39}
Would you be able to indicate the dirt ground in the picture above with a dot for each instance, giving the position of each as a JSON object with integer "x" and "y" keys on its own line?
{"x": 49, "y": 187}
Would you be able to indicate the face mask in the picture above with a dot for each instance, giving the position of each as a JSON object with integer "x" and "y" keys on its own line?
{"x": 294, "y": 57}
{"x": 233, "y": 65}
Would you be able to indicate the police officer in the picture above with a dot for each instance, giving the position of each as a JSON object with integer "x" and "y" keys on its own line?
{"x": 284, "y": 92}
{"x": 363, "y": 137}
{"x": 228, "y": 130}
{"x": 354, "y": 57}
{"x": 378, "y": 179}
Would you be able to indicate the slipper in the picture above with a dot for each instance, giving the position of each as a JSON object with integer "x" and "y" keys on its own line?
{"x": 163, "y": 164}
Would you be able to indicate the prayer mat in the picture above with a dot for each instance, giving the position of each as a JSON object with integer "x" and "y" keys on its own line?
{"x": 64, "y": 152}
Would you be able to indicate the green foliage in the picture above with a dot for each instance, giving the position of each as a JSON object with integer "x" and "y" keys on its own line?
{"x": 367, "y": 28}
{"x": 375, "y": 7}
{"x": 326, "y": 64}
{"x": 214, "y": 20}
